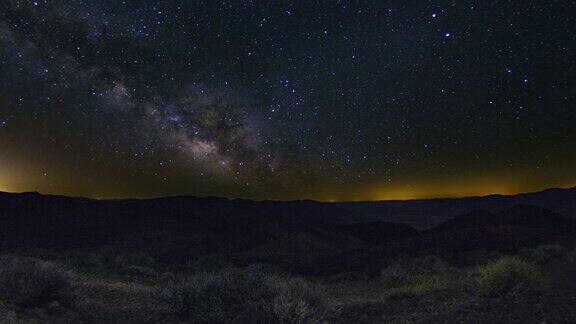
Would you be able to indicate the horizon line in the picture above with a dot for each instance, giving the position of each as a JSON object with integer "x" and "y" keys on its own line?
{"x": 287, "y": 200}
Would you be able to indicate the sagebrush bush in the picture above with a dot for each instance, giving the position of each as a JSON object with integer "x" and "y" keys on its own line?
{"x": 478, "y": 257}
{"x": 409, "y": 291}
{"x": 7, "y": 314}
{"x": 509, "y": 274}
{"x": 79, "y": 259}
{"x": 290, "y": 300}
{"x": 233, "y": 295}
{"x": 137, "y": 271}
{"x": 263, "y": 269}
{"x": 211, "y": 263}
{"x": 420, "y": 285}
{"x": 543, "y": 254}
{"x": 207, "y": 297}
{"x": 118, "y": 261}
{"x": 167, "y": 277}
{"x": 347, "y": 277}
{"x": 33, "y": 282}
{"x": 402, "y": 271}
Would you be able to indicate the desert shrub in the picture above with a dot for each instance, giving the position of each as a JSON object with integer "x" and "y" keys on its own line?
{"x": 402, "y": 271}
{"x": 395, "y": 274}
{"x": 416, "y": 277}
{"x": 141, "y": 259}
{"x": 209, "y": 263}
{"x": 234, "y": 295}
{"x": 408, "y": 291}
{"x": 348, "y": 276}
{"x": 289, "y": 300}
{"x": 478, "y": 257}
{"x": 543, "y": 254}
{"x": 167, "y": 277}
{"x": 208, "y": 297}
{"x": 509, "y": 274}
{"x": 7, "y": 314}
{"x": 79, "y": 259}
{"x": 136, "y": 258}
{"x": 420, "y": 285}
{"x": 262, "y": 269}
{"x": 27, "y": 281}
{"x": 138, "y": 271}
{"x": 113, "y": 261}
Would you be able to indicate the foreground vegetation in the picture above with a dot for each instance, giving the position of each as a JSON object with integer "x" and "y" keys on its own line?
{"x": 101, "y": 287}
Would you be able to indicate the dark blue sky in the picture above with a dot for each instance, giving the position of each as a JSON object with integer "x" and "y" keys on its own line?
{"x": 287, "y": 99}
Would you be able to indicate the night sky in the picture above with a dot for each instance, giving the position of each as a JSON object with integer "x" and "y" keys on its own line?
{"x": 328, "y": 100}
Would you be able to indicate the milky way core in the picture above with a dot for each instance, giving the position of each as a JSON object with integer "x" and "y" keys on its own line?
{"x": 328, "y": 100}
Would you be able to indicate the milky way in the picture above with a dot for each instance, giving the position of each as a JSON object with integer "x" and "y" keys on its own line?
{"x": 289, "y": 99}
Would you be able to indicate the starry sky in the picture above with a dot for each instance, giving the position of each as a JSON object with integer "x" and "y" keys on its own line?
{"x": 327, "y": 100}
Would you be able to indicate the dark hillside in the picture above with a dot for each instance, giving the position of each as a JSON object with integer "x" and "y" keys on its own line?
{"x": 180, "y": 229}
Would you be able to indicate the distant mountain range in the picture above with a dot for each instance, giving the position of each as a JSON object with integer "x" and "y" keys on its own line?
{"x": 431, "y": 212}
{"x": 310, "y": 236}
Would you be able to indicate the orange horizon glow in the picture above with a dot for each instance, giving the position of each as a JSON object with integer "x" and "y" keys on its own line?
{"x": 400, "y": 193}
{"x": 445, "y": 189}
{"x": 14, "y": 179}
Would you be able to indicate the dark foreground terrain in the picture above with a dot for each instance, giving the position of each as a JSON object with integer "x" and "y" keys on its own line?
{"x": 210, "y": 260}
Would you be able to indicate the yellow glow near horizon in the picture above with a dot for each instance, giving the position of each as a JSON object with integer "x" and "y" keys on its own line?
{"x": 445, "y": 190}
{"x": 456, "y": 189}
{"x": 409, "y": 192}
{"x": 407, "y": 189}
{"x": 3, "y": 186}
{"x": 399, "y": 193}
